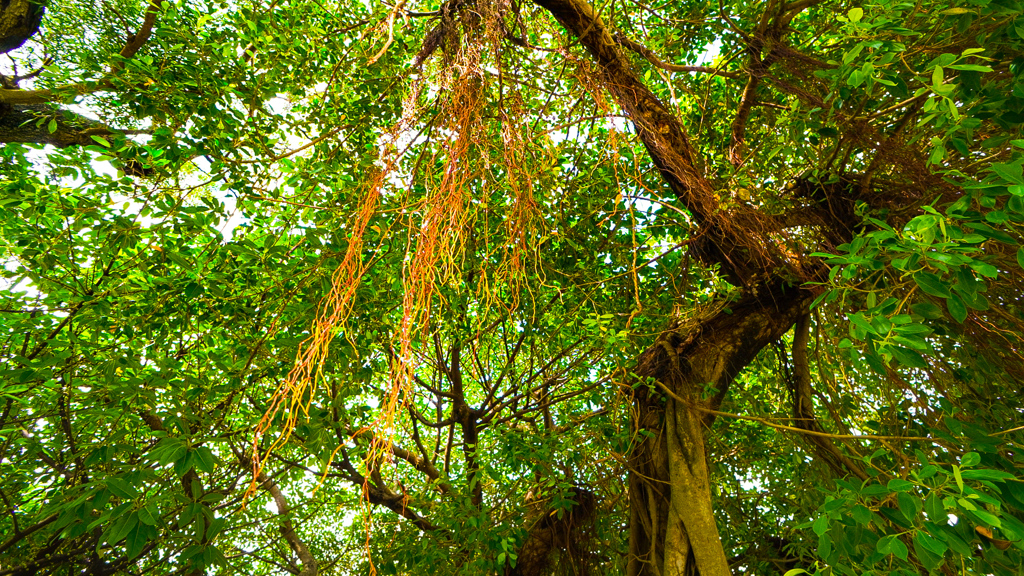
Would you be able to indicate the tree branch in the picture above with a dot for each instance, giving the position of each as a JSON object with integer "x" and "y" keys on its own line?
{"x": 309, "y": 564}
{"x": 653, "y": 59}
{"x": 382, "y": 495}
{"x": 136, "y": 40}
{"x": 19, "y": 21}
{"x": 803, "y": 407}
{"x": 740, "y": 254}
{"x": 17, "y": 96}
{"x": 14, "y": 539}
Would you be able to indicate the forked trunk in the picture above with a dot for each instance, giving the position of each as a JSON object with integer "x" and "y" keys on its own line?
{"x": 684, "y": 377}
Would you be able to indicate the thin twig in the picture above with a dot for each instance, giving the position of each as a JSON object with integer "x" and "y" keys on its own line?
{"x": 771, "y": 424}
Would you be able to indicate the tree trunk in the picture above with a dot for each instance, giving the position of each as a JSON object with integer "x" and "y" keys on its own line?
{"x": 672, "y": 523}
{"x": 685, "y": 376}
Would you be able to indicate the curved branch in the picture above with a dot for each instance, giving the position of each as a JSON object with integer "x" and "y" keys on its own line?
{"x": 309, "y": 565}
{"x": 31, "y": 124}
{"x": 19, "y": 535}
{"x": 382, "y": 495}
{"x": 19, "y": 21}
{"x": 653, "y": 59}
{"x": 739, "y": 255}
{"x": 136, "y": 40}
{"x": 16, "y": 96}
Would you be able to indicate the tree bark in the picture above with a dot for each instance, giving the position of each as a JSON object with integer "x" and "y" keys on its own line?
{"x": 803, "y": 407}
{"x": 722, "y": 240}
{"x": 19, "y": 20}
{"x": 688, "y": 372}
{"x": 30, "y": 124}
{"x": 672, "y": 528}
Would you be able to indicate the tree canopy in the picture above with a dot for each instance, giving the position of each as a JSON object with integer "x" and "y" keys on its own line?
{"x": 505, "y": 287}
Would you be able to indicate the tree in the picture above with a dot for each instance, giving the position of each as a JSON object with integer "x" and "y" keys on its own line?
{"x": 496, "y": 287}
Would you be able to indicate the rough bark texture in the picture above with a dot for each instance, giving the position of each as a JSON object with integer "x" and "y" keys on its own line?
{"x": 673, "y": 530}
{"x": 558, "y": 537}
{"x": 672, "y": 524}
{"x": 720, "y": 241}
{"x": 31, "y": 125}
{"x": 19, "y": 20}
{"x": 31, "y": 116}
{"x": 287, "y": 529}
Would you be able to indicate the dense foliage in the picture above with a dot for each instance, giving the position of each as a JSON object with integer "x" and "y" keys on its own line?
{"x": 499, "y": 287}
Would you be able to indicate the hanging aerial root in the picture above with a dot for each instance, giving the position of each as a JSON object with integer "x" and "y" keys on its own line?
{"x": 524, "y": 215}
{"x": 294, "y": 395}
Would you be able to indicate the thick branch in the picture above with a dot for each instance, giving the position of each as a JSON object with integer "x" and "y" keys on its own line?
{"x": 30, "y": 124}
{"x": 657, "y": 127}
{"x": 421, "y": 464}
{"x": 740, "y": 254}
{"x": 16, "y": 96}
{"x": 673, "y": 529}
{"x": 19, "y": 21}
{"x": 382, "y": 495}
{"x": 771, "y": 29}
{"x": 136, "y": 41}
{"x": 19, "y": 535}
{"x": 309, "y": 564}
{"x": 468, "y": 419}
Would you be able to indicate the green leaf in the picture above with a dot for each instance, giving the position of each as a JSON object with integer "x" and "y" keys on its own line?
{"x": 52, "y": 126}
{"x": 136, "y": 539}
{"x": 985, "y": 474}
{"x": 909, "y": 505}
{"x": 1009, "y": 172}
{"x": 927, "y": 310}
{"x": 907, "y": 357}
{"x": 892, "y": 545}
{"x": 168, "y": 450}
{"x": 985, "y": 269}
{"x": 820, "y": 525}
{"x": 956, "y": 544}
{"x": 148, "y": 515}
{"x": 855, "y": 14}
{"x": 861, "y": 514}
{"x": 970, "y": 67}
{"x": 185, "y": 463}
{"x": 101, "y": 141}
{"x": 1013, "y": 528}
{"x": 824, "y": 545}
{"x": 119, "y": 487}
{"x": 899, "y": 485}
{"x": 931, "y": 284}
{"x": 933, "y": 506}
{"x": 970, "y": 459}
{"x": 930, "y": 543}
{"x": 859, "y": 320}
{"x": 985, "y": 517}
{"x": 120, "y": 529}
{"x": 205, "y": 461}
{"x": 928, "y": 555}
{"x": 957, "y": 308}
